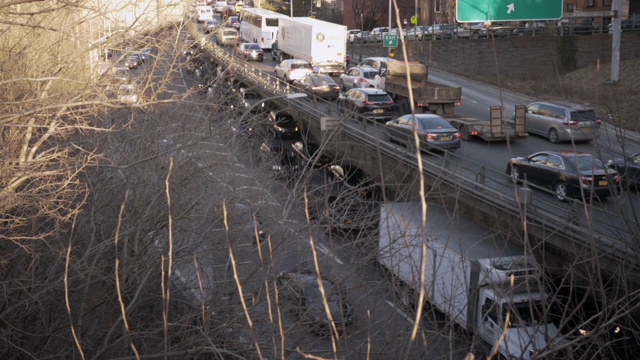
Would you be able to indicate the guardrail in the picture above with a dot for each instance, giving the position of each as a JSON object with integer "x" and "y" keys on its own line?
{"x": 474, "y": 182}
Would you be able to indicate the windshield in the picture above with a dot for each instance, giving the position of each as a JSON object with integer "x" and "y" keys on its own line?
{"x": 584, "y": 115}
{"x": 587, "y": 163}
{"x": 523, "y": 314}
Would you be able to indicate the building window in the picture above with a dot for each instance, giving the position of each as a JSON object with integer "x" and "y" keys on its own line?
{"x": 606, "y": 2}
{"x": 571, "y": 7}
{"x": 437, "y": 6}
{"x": 591, "y": 3}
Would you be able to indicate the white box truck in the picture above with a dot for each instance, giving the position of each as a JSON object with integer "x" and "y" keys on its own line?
{"x": 322, "y": 44}
{"x": 482, "y": 282}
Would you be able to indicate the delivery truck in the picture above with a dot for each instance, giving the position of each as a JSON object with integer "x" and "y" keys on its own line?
{"x": 322, "y": 44}
{"x": 482, "y": 282}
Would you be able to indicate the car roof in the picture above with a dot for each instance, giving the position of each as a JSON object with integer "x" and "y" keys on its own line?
{"x": 564, "y": 104}
{"x": 380, "y": 58}
{"x": 565, "y": 153}
{"x": 371, "y": 91}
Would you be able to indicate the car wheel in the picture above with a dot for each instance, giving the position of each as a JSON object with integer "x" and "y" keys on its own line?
{"x": 561, "y": 191}
{"x": 553, "y": 136}
{"x": 464, "y": 133}
{"x": 516, "y": 174}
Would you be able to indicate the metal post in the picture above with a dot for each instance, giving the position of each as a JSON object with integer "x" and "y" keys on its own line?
{"x": 616, "y": 7}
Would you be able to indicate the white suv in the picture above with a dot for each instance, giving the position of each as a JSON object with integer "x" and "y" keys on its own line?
{"x": 292, "y": 69}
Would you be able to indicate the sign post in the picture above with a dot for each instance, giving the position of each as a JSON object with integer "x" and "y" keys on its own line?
{"x": 507, "y": 10}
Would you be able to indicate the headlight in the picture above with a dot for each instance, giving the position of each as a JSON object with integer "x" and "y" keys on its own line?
{"x": 583, "y": 332}
{"x": 617, "y": 330}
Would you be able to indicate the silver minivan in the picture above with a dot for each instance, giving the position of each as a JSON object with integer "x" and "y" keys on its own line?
{"x": 562, "y": 121}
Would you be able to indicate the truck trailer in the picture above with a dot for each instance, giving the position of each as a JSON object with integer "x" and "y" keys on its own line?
{"x": 482, "y": 282}
{"x": 322, "y": 44}
{"x": 441, "y": 99}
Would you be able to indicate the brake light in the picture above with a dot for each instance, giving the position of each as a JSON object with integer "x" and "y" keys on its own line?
{"x": 362, "y": 80}
{"x": 457, "y": 135}
{"x": 586, "y": 180}
{"x": 367, "y": 102}
{"x": 430, "y": 136}
{"x": 598, "y": 122}
{"x": 570, "y": 123}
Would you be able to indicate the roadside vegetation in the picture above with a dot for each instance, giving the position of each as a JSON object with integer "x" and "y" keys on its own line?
{"x": 132, "y": 230}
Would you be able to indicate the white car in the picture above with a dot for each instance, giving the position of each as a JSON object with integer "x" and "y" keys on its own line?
{"x": 292, "y": 69}
{"x": 352, "y": 35}
{"x": 219, "y": 6}
{"x": 359, "y": 77}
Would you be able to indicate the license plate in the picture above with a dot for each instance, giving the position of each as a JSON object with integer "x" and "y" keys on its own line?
{"x": 377, "y": 111}
{"x": 444, "y": 138}
{"x": 586, "y": 129}
{"x": 603, "y": 183}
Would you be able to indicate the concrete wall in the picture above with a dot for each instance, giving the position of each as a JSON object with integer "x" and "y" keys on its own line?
{"x": 520, "y": 57}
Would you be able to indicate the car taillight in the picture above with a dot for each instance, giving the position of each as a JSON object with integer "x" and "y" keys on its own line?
{"x": 336, "y": 87}
{"x": 430, "y": 136}
{"x": 570, "y": 123}
{"x": 367, "y": 102}
{"x": 598, "y": 122}
{"x": 362, "y": 80}
{"x": 587, "y": 180}
{"x": 457, "y": 135}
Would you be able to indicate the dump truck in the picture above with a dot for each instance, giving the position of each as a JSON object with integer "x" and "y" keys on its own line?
{"x": 483, "y": 282}
{"x": 441, "y": 99}
{"x": 428, "y": 96}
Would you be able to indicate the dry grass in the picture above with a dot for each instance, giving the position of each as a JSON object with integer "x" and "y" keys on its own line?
{"x": 591, "y": 85}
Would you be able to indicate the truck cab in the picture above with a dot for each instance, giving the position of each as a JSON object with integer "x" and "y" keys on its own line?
{"x": 510, "y": 302}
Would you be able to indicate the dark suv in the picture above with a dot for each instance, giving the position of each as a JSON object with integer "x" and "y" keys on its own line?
{"x": 367, "y": 104}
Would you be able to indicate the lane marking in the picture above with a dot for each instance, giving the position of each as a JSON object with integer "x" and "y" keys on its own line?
{"x": 409, "y": 319}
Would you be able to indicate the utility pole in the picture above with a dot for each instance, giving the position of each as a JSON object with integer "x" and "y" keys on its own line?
{"x": 616, "y": 7}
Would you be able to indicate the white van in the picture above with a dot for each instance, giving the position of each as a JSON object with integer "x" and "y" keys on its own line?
{"x": 204, "y": 13}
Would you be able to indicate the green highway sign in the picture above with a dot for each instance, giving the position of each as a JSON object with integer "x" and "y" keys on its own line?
{"x": 390, "y": 40}
{"x": 507, "y": 10}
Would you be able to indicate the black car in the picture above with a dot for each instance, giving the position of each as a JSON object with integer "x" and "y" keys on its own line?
{"x": 586, "y": 27}
{"x": 283, "y": 125}
{"x": 319, "y": 85}
{"x": 597, "y": 331}
{"x": 567, "y": 173}
{"x": 367, "y": 104}
{"x": 250, "y": 51}
{"x": 628, "y": 169}
{"x": 279, "y": 159}
{"x": 302, "y": 295}
{"x": 132, "y": 61}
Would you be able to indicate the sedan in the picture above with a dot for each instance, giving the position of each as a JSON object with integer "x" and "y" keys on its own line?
{"x": 250, "y": 51}
{"x": 569, "y": 173}
{"x": 210, "y": 26}
{"x": 367, "y": 104}
{"x": 434, "y": 132}
{"x": 359, "y": 77}
{"x": 132, "y": 61}
{"x": 283, "y": 125}
{"x": 629, "y": 169}
{"x": 302, "y": 294}
{"x": 319, "y": 85}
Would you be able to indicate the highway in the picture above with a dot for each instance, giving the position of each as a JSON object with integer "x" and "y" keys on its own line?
{"x": 467, "y": 162}
{"x": 491, "y": 158}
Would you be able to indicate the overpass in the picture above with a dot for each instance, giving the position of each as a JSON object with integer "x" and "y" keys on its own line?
{"x": 548, "y": 229}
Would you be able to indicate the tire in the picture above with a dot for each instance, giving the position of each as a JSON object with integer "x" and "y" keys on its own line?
{"x": 553, "y": 136}
{"x": 516, "y": 173}
{"x": 404, "y": 107}
{"x": 464, "y": 133}
{"x": 560, "y": 190}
